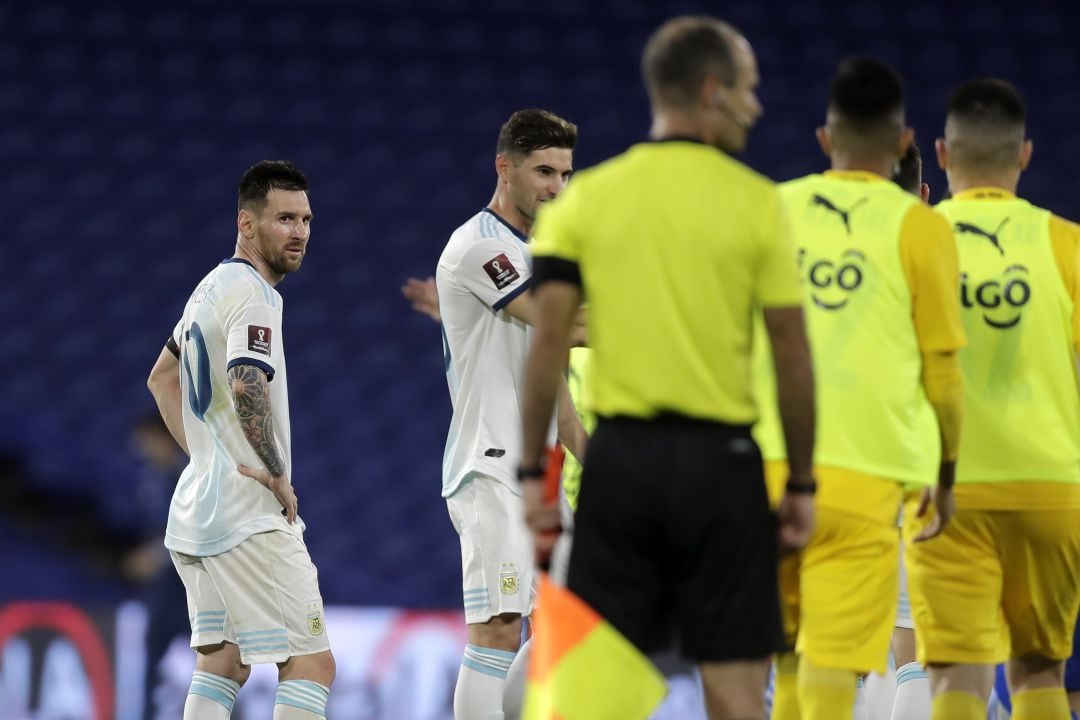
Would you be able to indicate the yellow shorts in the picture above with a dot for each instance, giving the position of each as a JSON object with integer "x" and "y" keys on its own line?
{"x": 838, "y": 596}
{"x": 996, "y": 584}
{"x": 849, "y": 581}
{"x": 776, "y": 475}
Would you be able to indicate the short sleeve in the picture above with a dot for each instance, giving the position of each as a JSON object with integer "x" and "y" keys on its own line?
{"x": 777, "y": 280}
{"x": 932, "y": 268}
{"x": 557, "y": 232}
{"x": 253, "y": 333}
{"x": 496, "y": 270}
{"x": 1065, "y": 238}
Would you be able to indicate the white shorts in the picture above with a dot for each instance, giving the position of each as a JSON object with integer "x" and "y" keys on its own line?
{"x": 262, "y": 595}
{"x": 496, "y": 548}
{"x": 903, "y": 606}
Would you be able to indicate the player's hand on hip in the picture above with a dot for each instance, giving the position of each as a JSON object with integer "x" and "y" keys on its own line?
{"x": 543, "y": 519}
{"x": 280, "y": 486}
{"x": 944, "y": 504}
{"x": 795, "y": 518}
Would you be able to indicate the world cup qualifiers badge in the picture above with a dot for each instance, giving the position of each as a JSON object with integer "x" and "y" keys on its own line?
{"x": 259, "y": 339}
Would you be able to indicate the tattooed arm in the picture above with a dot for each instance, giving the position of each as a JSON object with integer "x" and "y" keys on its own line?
{"x": 251, "y": 398}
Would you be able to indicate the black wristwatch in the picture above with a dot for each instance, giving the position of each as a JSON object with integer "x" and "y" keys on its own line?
{"x": 805, "y": 488}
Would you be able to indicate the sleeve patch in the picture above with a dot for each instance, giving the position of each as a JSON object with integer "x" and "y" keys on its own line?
{"x": 259, "y": 339}
{"x": 501, "y": 271}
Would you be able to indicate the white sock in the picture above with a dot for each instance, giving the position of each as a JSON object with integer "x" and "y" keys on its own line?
{"x": 862, "y": 709}
{"x": 479, "y": 691}
{"x": 912, "y": 693}
{"x": 300, "y": 700}
{"x": 514, "y": 689}
{"x": 211, "y": 697}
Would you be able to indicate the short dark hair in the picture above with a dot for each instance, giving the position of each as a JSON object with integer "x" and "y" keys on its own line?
{"x": 866, "y": 105}
{"x": 681, "y": 53}
{"x": 988, "y": 100}
{"x": 908, "y": 171}
{"x": 529, "y": 130}
{"x": 985, "y": 124}
{"x": 267, "y": 175}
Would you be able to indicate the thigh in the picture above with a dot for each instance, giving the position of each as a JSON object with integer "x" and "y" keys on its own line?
{"x": 849, "y": 585}
{"x": 271, "y": 592}
{"x": 1041, "y": 568}
{"x": 210, "y": 622}
{"x": 496, "y": 549}
{"x": 955, "y": 584}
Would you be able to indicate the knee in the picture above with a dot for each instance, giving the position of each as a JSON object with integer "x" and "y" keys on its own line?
{"x": 320, "y": 668}
{"x": 500, "y": 633}
{"x": 1031, "y": 671}
{"x": 222, "y": 660}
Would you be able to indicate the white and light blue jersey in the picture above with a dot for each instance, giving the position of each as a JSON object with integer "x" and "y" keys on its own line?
{"x": 232, "y": 318}
{"x": 485, "y": 265}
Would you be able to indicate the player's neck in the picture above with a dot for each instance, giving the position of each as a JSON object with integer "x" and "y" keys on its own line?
{"x": 244, "y": 251}
{"x": 881, "y": 165}
{"x": 1005, "y": 180}
{"x": 504, "y": 207}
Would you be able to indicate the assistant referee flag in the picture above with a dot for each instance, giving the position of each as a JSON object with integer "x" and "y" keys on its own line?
{"x": 582, "y": 668}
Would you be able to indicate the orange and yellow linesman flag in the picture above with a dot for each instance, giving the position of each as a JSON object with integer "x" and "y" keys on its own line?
{"x": 582, "y": 668}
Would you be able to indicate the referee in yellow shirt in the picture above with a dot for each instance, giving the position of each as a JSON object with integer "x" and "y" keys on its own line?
{"x": 677, "y": 246}
{"x": 880, "y": 275}
{"x": 1003, "y": 581}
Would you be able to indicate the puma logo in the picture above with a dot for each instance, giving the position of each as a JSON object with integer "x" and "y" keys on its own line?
{"x": 962, "y": 227}
{"x": 845, "y": 215}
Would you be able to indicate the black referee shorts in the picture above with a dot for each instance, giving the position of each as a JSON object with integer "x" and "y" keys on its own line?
{"x": 674, "y": 539}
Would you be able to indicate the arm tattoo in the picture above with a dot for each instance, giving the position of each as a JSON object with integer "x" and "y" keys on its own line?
{"x": 251, "y": 397}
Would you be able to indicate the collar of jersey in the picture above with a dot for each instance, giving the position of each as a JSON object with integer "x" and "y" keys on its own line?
{"x": 984, "y": 193}
{"x": 860, "y": 175}
{"x": 520, "y": 236}
{"x": 226, "y": 261}
{"x": 679, "y": 138}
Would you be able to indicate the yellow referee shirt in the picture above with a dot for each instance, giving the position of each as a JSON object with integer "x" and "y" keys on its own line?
{"x": 677, "y": 245}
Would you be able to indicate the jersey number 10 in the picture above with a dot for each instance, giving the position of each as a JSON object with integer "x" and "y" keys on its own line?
{"x": 199, "y": 389}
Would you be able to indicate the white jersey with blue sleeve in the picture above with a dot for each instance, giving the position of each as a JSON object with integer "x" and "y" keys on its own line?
{"x": 232, "y": 318}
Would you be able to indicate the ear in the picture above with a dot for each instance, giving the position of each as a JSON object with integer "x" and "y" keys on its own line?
{"x": 710, "y": 97}
{"x": 245, "y": 223}
{"x": 924, "y": 192}
{"x": 907, "y": 138}
{"x": 1026, "y": 148}
{"x": 823, "y": 139}
{"x": 502, "y": 167}
{"x": 942, "y": 151}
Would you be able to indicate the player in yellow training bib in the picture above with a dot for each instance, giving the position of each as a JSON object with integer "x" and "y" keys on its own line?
{"x": 879, "y": 274}
{"x": 1003, "y": 581}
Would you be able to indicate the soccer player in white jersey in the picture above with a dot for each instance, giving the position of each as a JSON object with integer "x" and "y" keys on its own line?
{"x": 482, "y": 278}
{"x": 233, "y": 530}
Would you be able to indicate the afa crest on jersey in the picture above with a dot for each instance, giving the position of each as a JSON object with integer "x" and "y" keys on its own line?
{"x": 508, "y": 579}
